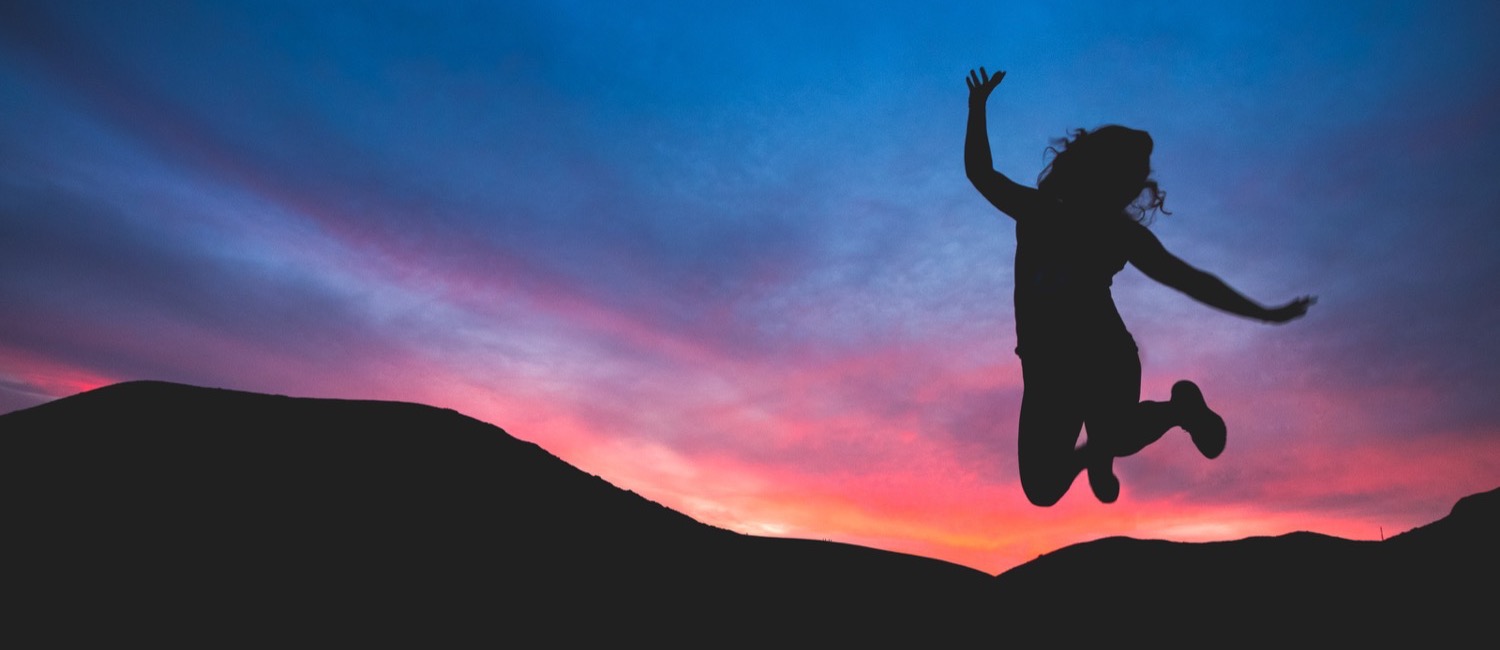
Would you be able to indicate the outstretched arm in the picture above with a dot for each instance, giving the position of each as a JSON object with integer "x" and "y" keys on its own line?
{"x": 1007, "y": 195}
{"x": 1157, "y": 263}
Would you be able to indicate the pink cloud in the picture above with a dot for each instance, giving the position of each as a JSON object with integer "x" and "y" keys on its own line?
{"x": 46, "y": 379}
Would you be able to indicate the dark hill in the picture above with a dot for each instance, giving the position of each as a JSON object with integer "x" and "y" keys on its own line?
{"x": 168, "y": 508}
{"x": 1434, "y": 586}
{"x": 190, "y": 516}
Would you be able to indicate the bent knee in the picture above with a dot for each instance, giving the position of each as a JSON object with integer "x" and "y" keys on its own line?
{"x": 1045, "y": 478}
{"x": 1044, "y": 494}
{"x": 1045, "y": 500}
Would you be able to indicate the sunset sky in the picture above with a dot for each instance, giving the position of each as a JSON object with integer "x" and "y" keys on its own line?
{"x": 724, "y": 254}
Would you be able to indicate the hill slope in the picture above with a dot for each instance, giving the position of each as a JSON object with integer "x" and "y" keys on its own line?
{"x": 194, "y": 516}
{"x": 1435, "y": 585}
{"x": 156, "y": 504}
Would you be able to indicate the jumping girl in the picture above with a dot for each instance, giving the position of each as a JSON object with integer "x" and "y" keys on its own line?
{"x": 1079, "y": 363}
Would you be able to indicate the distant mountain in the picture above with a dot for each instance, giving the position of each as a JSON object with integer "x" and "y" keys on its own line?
{"x": 191, "y": 516}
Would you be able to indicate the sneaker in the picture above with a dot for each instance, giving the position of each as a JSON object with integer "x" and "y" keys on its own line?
{"x": 1102, "y": 480}
{"x": 1205, "y": 426}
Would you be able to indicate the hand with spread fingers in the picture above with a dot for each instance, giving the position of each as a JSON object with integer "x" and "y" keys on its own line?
{"x": 981, "y": 84}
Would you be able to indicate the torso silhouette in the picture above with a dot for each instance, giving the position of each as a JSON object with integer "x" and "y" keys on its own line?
{"x": 1065, "y": 265}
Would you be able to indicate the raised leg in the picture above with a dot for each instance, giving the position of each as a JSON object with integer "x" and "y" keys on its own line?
{"x": 1051, "y": 420}
{"x": 1099, "y": 393}
{"x": 1047, "y": 458}
{"x": 1130, "y": 429}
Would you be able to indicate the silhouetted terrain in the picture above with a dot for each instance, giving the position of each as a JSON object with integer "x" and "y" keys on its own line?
{"x": 1434, "y": 586}
{"x": 195, "y": 516}
{"x": 156, "y": 506}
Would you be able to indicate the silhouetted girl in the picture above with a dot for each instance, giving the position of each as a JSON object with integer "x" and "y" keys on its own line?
{"x": 1079, "y": 364}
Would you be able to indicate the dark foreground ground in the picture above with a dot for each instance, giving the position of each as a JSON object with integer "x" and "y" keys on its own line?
{"x": 186, "y": 516}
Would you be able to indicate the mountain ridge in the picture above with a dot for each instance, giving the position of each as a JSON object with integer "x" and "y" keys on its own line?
{"x": 374, "y": 519}
{"x": 344, "y": 507}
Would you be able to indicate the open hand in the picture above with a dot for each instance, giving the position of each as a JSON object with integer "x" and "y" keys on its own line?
{"x": 1292, "y": 310}
{"x": 981, "y": 84}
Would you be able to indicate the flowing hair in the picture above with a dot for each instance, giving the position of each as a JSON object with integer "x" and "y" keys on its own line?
{"x": 1103, "y": 158}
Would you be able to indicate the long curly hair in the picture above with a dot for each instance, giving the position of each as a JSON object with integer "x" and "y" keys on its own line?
{"x": 1106, "y": 169}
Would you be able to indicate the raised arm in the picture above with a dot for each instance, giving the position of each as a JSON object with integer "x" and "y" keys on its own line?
{"x": 1153, "y": 259}
{"x": 1007, "y": 195}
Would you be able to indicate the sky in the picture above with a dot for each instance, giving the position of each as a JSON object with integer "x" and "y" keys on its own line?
{"x": 724, "y": 254}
